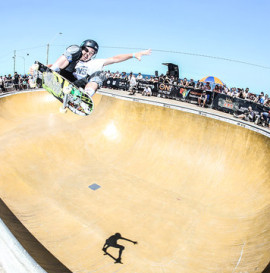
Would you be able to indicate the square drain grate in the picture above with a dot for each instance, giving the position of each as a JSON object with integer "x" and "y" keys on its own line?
{"x": 94, "y": 187}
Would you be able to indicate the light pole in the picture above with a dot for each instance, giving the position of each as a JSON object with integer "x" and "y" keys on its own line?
{"x": 14, "y": 65}
{"x": 27, "y": 54}
{"x": 48, "y": 46}
{"x": 23, "y": 62}
{"x": 14, "y": 60}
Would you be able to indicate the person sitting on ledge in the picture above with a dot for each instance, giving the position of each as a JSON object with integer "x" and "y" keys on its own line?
{"x": 264, "y": 119}
{"x": 147, "y": 91}
{"x": 248, "y": 115}
{"x": 202, "y": 99}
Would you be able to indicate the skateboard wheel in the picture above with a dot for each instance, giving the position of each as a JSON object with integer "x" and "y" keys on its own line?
{"x": 62, "y": 110}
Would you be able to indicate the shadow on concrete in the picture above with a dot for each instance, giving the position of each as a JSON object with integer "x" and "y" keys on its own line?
{"x": 112, "y": 242}
{"x": 267, "y": 269}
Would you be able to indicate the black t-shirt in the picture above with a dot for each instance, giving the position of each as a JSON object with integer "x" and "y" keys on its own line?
{"x": 16, "y": 78}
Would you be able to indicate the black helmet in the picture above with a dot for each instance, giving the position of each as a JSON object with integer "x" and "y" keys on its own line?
{"x": 90, "y": 43}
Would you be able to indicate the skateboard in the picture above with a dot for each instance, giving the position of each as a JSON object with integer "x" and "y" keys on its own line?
{"x": 116, "y": 260}
{"x": 65, "y": 91}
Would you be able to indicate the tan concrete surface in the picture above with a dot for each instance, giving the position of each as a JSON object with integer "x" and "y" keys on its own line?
{"x": 193, "y": 191}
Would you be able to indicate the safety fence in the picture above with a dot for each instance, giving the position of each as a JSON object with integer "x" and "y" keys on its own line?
{"x": 218, "y": 101}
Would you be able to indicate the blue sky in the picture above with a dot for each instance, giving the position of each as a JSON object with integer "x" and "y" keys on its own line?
{"x": 232, "y": 29}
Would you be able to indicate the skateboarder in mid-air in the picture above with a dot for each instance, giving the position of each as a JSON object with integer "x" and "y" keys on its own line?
{"x": 78, "y": 65}
{"x": 112, "y": 242}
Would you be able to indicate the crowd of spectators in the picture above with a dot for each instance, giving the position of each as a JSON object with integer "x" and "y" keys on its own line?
{"x": 241, "y": 93}
{"x": 16, "y": 82}
{"x": 234, "y": 92}
{"x": 23, "y": 82}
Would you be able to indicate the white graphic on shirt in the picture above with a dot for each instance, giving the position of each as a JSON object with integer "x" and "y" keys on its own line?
{"x": 83, "y": 69}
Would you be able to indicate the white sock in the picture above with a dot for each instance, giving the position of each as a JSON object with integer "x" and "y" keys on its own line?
{"x": 55, "y": 68}
{"x": 90, "y": 91}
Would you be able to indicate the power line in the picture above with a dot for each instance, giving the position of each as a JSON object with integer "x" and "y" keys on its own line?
{"x": 163, "y": 51}
{"x": 6, "y": 56}
{"x": 24, "y": 49}
{"x": 193, "y": 54}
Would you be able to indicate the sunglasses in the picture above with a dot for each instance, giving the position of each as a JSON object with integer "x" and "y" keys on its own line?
{"x": 88, "y": 51}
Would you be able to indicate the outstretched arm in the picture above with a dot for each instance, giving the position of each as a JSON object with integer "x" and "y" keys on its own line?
{"x": 124, "y": 57}
{"x": 61, "y": 62}
{"x": 122, "y": 238}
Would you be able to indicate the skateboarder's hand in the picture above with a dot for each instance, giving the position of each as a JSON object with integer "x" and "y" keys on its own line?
{"x": 139, "y": 55}
{"x": 32, "y": 69}
{"x": 135, "y": 243}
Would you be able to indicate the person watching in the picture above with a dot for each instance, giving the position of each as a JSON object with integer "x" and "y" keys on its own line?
{"x": 202, "y": 99}
{"x": 199, "y": 85}
{"x": 248, "y": 115}
{"x": 139, "y": 77}
{"x": 147, "y": 91}
{"x": 207, "y": 87}
{"x": 132, "y": 84}
{"x": 191, "y": 84}
{"x": 217, "y": 89}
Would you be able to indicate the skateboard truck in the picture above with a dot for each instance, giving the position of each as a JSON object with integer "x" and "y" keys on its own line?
{"x": 67, "y": 90}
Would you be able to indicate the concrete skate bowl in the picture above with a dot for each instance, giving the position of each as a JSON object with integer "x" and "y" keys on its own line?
{"x": 194, "y": 192}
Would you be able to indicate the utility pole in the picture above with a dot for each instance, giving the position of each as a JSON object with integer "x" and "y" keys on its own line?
{"x": 48, "y": 46}
{"x": 14, "y": 57}
{"x": 23, "y": 63}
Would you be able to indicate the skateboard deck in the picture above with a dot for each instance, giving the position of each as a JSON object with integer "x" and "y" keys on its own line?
{"x": 116, "y": 260}
{"x": 78, "y": 102}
